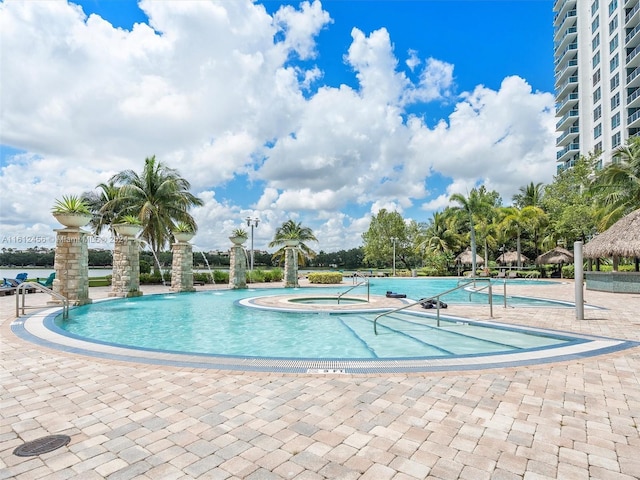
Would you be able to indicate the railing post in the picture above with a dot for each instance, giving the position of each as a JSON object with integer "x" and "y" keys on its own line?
{"x": 490, "y": 300}
{"x": 505, "y": 293}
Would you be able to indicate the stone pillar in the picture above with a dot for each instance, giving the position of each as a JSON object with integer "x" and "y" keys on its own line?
{"x": 237, "y": 267}
{"x": 125, "y": 280}
{"x": 182, "y": 267}
{"x": 71, "y": 264}
{"x": 291, "y": 266}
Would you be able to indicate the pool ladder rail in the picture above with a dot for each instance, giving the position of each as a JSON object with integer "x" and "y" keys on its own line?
{"x": 437, "y": 301}
{"x": 21, "y": 294}
{"x": 365, "y": 281}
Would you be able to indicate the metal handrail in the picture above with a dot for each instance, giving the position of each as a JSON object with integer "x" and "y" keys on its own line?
{"x": 365, "y": 281}
{"x": 437, "y": 299}
{"x": 22, "y": 291}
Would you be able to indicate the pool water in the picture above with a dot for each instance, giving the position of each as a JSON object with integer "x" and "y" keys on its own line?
{"x": 215, "y": 323}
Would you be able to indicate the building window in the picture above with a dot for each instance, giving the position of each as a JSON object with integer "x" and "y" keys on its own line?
{"x": 613, "y": 24}
{"x": 597, "y": 112}
{"x": 595, "y": 24}
{"x": 595, "y": 42}
{"x": 615, "y": 101}
{"x": 615, "y": 120}
{"x": 615, "y": 140}
{"x": 614, "y": 62}
{"x": 613, "y": 44}
{"x": 596, "y": 59}
{"x": 594, "y": 7}
{"x": 612, "y": 6}
{"x": 598, "y": 148}
{"x": 615, "y": 81}
{"x": 596, "y": 77}
{"x": 597, "y": 94}
{"x": 597, "y": 131}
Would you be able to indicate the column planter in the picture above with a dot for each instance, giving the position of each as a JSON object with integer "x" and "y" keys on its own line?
{"x": 73, "y": 220}
{"x": 237, "y": 263}
{"x": 182, "y": 264}
{"x": 125, "y": 281}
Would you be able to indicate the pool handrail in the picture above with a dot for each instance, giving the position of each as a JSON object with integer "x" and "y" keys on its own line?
{"x": 24, "y": 287}
{"x": 437, "y": 303}
{"x": 364, "y": 281}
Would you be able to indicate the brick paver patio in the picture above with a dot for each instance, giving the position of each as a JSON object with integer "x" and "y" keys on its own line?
{"x": 578, "y": 419}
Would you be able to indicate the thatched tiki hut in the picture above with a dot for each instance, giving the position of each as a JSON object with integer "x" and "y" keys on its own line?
{"x": 557, "y": 256}
{"x": 465, "y": 258}
{"x": 510, "y": 258}
{"x": 621, "y": 240}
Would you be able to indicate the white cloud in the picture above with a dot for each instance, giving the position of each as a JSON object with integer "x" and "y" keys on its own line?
{"x": 212, "y": 89}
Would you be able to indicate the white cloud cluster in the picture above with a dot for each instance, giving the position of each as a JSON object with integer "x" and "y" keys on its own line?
{"x": 225, "y": 92}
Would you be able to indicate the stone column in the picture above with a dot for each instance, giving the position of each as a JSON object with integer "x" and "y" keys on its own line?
{"x": 291, "y": 264}
{"x": 182, "y": 267}
{"x": 237, "y": 267}
{"x": 125, "y": 280}
{"x": 71, "y": 264}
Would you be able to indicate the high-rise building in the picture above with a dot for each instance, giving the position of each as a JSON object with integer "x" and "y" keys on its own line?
{"x": 597, "y": 77}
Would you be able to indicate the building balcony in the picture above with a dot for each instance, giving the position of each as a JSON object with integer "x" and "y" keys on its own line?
{"x": 566, "y": 87}
{"x": 633, "y": 79}
{"x": 567, "y": 152}
{"x": 568, "y": 136}
{"x": 632, "y": 39}
{"x": 633, "y": 120}
{"x": 633, "y": 99}
{"x": 633, "y": 57}
{"x": 566, "y": 103}
{"x": 570, "y": 116}
{"x": 569, "y": 52}
{"x": 570, "y": 36}
{"x": 568, "y": 69}
{"x": 632, "y": 16}
{"x": 564, "y": 22}
{"x": 561, "y": 6}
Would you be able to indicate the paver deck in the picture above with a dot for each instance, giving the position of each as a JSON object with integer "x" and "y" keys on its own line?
{"x": 577, "y": 419}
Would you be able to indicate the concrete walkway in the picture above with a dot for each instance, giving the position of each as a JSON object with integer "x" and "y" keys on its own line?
{"x": 578, "y": 419}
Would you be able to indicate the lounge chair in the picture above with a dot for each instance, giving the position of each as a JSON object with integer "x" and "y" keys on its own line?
{"x": 7, "y": 289}
{"x": 48, "y": 282}
{"x": 501, "y": 274}
{"x": 15, "y": 283}
{"x": 513, "y": 274}
{"x": 22, "y": 277}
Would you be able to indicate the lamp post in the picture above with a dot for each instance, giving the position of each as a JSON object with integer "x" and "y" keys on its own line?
{"x": 252, "y": 222}
{"x": 393, "y": 239}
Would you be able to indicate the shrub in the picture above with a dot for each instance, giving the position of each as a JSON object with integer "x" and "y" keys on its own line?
{"x": 150, "y": 279}
{"x": 325, "y": 277}
{"x": 203, "y": 277}
{"x": 568, "y": 271}
{"x": 220, "y": 276}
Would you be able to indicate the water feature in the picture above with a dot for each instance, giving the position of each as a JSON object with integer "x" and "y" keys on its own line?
{"x": 206, "y": 262}
{"x": 164, "y": 281}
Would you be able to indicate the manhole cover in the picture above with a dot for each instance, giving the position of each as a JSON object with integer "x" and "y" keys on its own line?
{"x": 42, "y": 445}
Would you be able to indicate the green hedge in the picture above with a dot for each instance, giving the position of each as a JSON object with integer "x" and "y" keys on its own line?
{"x": 325, "y": 277}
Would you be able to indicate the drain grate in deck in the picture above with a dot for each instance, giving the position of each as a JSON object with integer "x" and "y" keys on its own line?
{"x": 41, "y": 445}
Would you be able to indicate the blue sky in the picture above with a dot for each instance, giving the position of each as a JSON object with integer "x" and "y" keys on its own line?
{"x": 323, "y": 112}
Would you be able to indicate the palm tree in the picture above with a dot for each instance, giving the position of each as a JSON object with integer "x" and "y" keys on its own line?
{"x": 158, "y": 196}
{"x": 479, "y": 204}
{"x": 516, "y": 221}
{"x": 107, "y": 192}
{"x": 291, "y": 230}
{"x": 617, "y": 186}
{"x": 529, "y": 196}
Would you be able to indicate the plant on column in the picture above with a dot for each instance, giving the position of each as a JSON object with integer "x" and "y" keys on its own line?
{"x": 128, "y": 226}
{"x": 71, "y": 211}
{"x": 183, "y": 232}
{"x": 239, "y": 236}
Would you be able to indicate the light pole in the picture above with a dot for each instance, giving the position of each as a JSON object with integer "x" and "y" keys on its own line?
{"x": 393, "y": 239}
{"x": 252, "y": 222}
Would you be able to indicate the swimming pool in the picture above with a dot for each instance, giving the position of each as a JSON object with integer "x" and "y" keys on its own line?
{"x": 219, "y": 329}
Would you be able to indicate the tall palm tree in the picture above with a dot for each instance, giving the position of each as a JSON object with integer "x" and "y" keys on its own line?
{"x": 516, "y": 221}
{"x": 107, "y": 192}
{"x": 529, "y": 196}
{"x": 158, "y": 196}
{"x": 479, "y": 204}
{"x": 291, "y": 230}
{"x": 617, "y": 186}
{"x": 439, "y": 235}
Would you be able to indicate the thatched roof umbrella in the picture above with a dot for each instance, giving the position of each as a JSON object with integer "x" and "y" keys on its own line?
{"x": 622, "y": 239}
{"x": 465, "y": 258}
{"x": 511, "y": 257}
{"x": 558, "y": 255}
